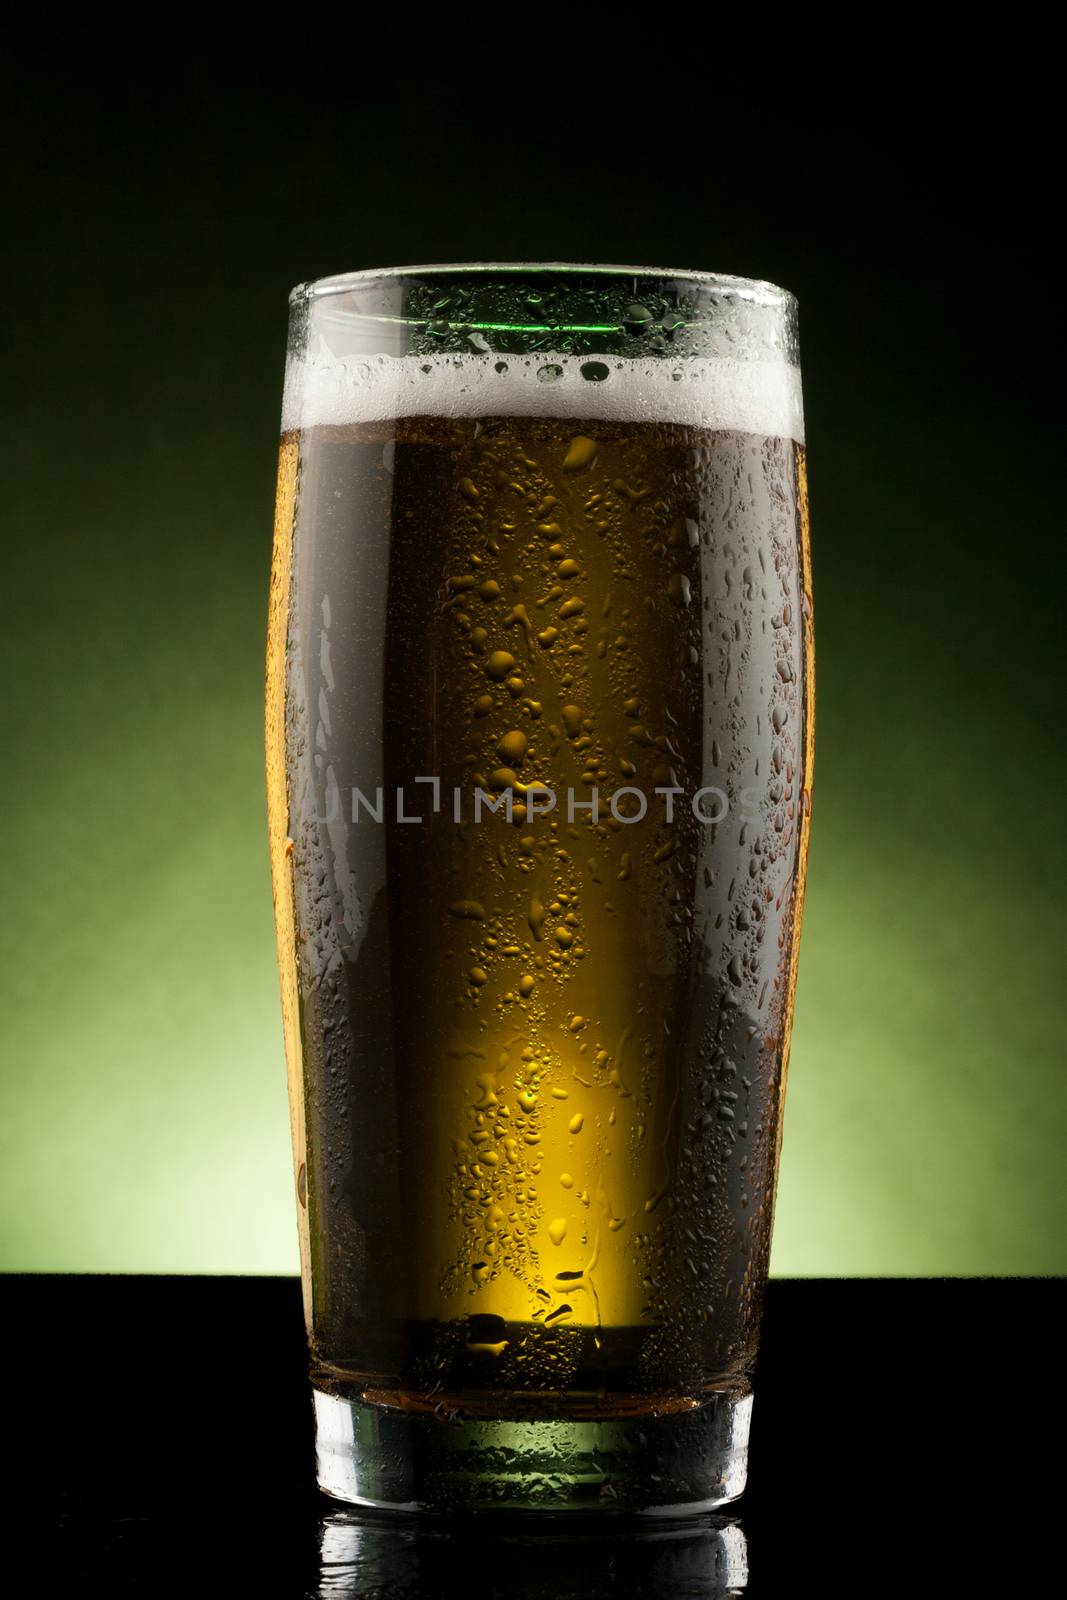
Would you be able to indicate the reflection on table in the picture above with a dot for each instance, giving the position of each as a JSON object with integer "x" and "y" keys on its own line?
{"x": 363, "y": 1554}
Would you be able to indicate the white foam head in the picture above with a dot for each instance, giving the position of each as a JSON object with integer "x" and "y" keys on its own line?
{"x": 324, "y": 387}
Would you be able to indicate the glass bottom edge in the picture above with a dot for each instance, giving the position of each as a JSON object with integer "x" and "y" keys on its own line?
{"x": 677, "y": 1465}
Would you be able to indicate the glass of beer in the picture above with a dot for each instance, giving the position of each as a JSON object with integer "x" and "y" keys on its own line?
{"x": 539, "y": 757}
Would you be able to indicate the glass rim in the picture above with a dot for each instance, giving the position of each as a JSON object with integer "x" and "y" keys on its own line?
{"x": 759, "y": 291}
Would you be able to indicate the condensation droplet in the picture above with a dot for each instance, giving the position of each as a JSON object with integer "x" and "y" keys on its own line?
{"x": 582, "y": 451}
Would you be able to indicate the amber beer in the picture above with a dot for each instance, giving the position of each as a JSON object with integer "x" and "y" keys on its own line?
{"x": 539, "y": 756}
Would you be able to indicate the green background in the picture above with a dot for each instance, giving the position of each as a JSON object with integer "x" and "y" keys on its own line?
{"x": 154, "y": 239}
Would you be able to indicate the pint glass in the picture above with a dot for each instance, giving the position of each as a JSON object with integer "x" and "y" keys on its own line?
{"x": 539, "y": 751}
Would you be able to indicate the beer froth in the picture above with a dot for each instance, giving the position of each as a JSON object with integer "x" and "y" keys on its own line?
{"x": 719, "y": 393}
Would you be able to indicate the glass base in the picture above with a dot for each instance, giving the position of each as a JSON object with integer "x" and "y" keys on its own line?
{"x": 673, "y": 1464}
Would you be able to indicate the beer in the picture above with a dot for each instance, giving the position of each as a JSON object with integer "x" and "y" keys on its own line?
{"x": 542, "y": 1057}
{"x": 539, "y": 761}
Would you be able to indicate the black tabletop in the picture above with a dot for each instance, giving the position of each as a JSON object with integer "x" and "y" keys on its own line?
{"x": 905, "y": 1440}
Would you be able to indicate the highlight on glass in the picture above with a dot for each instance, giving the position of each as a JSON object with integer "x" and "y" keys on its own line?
{"x": 539, "y": 762}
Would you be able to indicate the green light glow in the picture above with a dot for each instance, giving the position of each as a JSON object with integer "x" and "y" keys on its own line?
{"x": 543, "y": 327}
{"x": 500, "y": 327}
